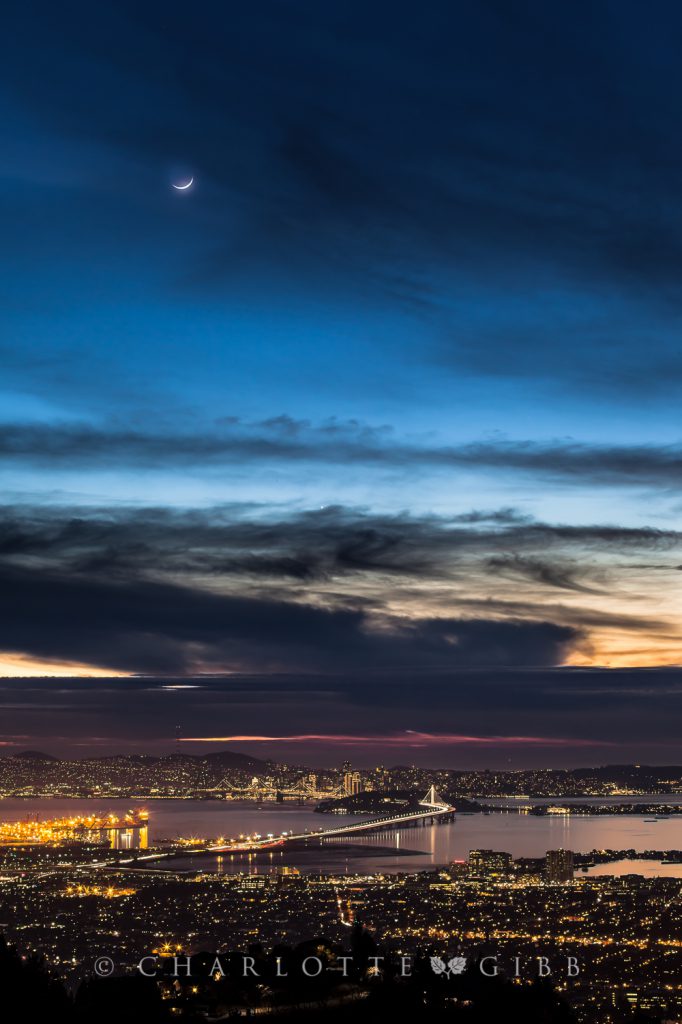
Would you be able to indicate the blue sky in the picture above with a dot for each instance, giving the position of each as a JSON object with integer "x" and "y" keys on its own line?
{"x": 430, "y": 268}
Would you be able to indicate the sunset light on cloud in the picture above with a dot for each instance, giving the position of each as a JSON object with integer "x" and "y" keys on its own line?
{"x": 406, "y": 739}
{"x": 13, "y": 666}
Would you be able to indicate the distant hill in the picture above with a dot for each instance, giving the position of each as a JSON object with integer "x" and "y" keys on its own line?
{"x": 233, "y": 759}
{"x": 221, "y": 759}
{"x": 35, "y": 755}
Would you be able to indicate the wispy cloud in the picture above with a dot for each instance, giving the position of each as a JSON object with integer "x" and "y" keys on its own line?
{"x": 281, "y": 440}
{"x": 409, "y": 738}
{"x": 161, "y": 590}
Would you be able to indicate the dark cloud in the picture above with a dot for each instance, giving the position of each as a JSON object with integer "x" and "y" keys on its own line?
{"x": 351, "y": 443}
{"x": 243, "y": 587}
{"x": 143, "y": 626}
{"x": 262, "y": 542}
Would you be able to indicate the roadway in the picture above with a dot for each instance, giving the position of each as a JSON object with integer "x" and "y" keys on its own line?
{"x": 432, "y": 806}
{"x": 431, "y": 810}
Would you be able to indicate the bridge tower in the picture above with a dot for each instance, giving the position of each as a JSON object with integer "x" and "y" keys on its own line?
{"x": 432, "y": 799}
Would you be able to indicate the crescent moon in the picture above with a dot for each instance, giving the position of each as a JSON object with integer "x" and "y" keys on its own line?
{"x": 181, "y": 188}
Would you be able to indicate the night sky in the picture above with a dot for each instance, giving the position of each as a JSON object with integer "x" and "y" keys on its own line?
{"x": 367, "y": 444}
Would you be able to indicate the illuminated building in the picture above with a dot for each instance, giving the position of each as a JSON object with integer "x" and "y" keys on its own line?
{"x": 559, "y": 865}
{"x": 352, "y": 783}
{"x": 489, "y": 863}
{"x": 130, "y": 832}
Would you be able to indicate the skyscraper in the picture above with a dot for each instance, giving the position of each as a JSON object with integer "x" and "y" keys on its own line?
{"x": 559, "y": 865}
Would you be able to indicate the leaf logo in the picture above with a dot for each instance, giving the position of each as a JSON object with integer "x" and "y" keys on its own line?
{"x": 454, "y": 966}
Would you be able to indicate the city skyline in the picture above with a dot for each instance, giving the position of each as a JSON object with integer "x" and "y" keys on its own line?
{"x": 341, "y": 382}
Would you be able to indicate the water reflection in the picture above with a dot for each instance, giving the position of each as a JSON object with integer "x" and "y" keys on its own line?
{"x": 520, "y": 834}
{"x": 648, "y": 868}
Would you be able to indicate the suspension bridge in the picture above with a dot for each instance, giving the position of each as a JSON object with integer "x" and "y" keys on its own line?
{"x": 260, "y": 789}
{"x": 430, "y": 808}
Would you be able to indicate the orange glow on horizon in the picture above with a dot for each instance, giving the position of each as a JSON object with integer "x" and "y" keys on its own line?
{"x": 619, "y": 652}
{"x": 17, "y": 665}
{"x": 609, "y": 655}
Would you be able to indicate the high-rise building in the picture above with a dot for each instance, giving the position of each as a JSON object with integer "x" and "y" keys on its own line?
{"x": 352, "y": 783}
{"x": 489, "y": 863}
{"x": 559, "y": 865}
